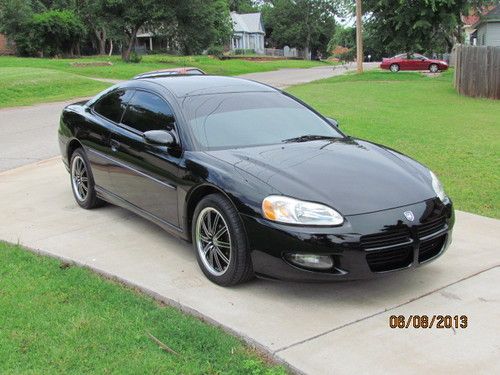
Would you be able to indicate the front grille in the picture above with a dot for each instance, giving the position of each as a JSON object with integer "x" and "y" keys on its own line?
{"x": 431, "y": 226}
{"x": 394, "y": 248}
{"x": 390, "y": 259}
{"x": 430, "y": 248}
{"x": 389, "y": 238}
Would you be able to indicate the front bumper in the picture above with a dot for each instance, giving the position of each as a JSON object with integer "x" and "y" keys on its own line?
{"x": 365, "y": 246}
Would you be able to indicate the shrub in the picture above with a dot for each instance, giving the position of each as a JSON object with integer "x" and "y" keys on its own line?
{"x": 241, "y": 51}
{"x": 134, "y": 58}
{"x": 217, "y": 51}
{"x": 343, "y": 53}
{"x": 55, "y": 32}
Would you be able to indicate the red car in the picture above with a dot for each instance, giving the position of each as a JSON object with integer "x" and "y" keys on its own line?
{"x": 413, "y": 62}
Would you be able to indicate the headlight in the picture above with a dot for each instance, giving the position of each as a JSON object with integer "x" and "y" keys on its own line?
{"x": 438, "y": 187}
{"x": 292, "y": 211}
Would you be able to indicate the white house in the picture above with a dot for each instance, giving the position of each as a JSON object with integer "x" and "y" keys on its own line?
{"x": 482, "y": 29}
{"x": 488, "y": 28}
{"x": 248, "y": 32}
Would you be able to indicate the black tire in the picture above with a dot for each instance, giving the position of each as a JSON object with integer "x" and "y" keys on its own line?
{"x": 394, "y": 68}
{"x": 239, "y": 268}
{"x": 433, "y": 68}
{"x": 89, "y": 199}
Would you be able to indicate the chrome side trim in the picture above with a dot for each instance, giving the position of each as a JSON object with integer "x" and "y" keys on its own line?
{"x": 113, "y": 160}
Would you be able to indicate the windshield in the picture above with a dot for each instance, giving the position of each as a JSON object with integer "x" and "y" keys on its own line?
{"x": 237, "y": 120}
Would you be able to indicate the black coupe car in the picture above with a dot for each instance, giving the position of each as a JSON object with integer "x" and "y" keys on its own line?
{"x": 261, "y": 183}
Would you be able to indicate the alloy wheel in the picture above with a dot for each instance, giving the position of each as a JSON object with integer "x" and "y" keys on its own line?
{"x": 79, "y": 178}
{"x": 213, "y": 241}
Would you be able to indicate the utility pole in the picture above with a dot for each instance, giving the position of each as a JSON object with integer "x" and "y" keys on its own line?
{"x": 359, "y": 37}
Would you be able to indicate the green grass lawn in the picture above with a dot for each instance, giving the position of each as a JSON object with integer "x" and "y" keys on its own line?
{"x": 58, "y": 319}
{"x": 457, "y": 137}
{"x": 122, "y": 70}
{"x": 25, "y": 81}
{"x": 25, "y": 86}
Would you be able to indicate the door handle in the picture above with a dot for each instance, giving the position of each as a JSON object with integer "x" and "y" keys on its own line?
{"x": 114, "y": 145}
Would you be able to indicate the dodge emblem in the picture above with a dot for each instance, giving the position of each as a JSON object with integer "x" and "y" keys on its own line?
{"x": 409, "y": 215}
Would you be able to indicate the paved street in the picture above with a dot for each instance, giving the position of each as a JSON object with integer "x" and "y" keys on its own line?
{"x": 316, "y": 328}
{"x": 28, "y": 134}
{"x": 289, "y": 77}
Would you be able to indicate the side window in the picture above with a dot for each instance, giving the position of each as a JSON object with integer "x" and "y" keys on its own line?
{"x": 148, "y": 111}
{"x": 113, "y": 104}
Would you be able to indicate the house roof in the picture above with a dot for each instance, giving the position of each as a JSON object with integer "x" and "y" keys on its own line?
{"x": 247, "y": 22}
{"x": 470, "y": 20}
{"x": 493, "y": 15}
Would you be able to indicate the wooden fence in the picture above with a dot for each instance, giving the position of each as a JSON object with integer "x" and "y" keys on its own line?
{"x": 477, "y": 71}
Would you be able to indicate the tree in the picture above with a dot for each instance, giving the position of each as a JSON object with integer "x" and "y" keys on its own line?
{"x": 15, "y": 16}
{"x": 343, "y": 43}
{"x": 202, "y": 24}
{"x": 243, "y": 6}
{"x": 57, "y": 31}
{"x": 418, "y": 25}
{"x": 344, "y": 36}
{"x": 93, "y": 14}
{"x": 308, "y": 24}
{"x": 131, "y": 15}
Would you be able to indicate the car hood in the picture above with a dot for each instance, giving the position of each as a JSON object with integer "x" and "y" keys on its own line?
{"x": 350, "y": 175}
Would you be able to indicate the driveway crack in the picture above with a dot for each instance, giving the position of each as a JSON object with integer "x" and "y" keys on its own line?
{"x": 382, "y": 311}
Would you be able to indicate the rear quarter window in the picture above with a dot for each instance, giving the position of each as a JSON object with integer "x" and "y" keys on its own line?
{"x": 112, "y": 105}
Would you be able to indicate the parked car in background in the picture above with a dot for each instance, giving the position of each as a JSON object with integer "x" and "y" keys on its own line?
{"x": 185, "y": 71}
{"x": 413, "y": 61}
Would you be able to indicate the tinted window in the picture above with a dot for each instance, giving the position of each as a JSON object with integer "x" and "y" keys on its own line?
{"x": 148, "y": 112}
{"x": 194, "y": 72}
{"x": 250, "y": 119}
{"x": 113, "y": 104}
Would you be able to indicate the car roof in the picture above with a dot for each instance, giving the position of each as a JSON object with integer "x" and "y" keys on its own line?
{"x": 169, "y": 72}
{"x": 182, "y": 86}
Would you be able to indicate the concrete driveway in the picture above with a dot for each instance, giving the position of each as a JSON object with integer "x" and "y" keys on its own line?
{"x": 315, "y": 328}
{"x": 28, "y": 134}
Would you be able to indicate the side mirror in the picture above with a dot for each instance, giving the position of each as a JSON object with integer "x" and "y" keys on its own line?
{"x": 333, "y": 122}
{"x": 159, "y": 137}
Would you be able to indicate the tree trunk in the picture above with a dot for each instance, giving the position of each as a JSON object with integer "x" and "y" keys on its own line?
{"x": 101, "y": 38}
{"x": 307, "y": 46}
{"x": 306, "y": 53}
{"x": 127, "y": 51}
{"x": 102, "y": 46}
{"x": 110, "y": 47}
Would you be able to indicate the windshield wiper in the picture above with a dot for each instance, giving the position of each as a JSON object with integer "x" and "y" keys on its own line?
{"x": 308, "y": 137}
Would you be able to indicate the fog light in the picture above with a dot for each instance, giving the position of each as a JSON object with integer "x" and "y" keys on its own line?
{"x": 319, "y": 262}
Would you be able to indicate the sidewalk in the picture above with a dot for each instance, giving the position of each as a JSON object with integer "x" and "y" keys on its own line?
{"x": 316, "y": 328}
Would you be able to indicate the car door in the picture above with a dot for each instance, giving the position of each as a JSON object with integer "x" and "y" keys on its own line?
{"x": 144, "y": 174}
{"x": 420, "y": 62}
{"x": 404, "y": 62}
{"x": 105, "y": 113}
